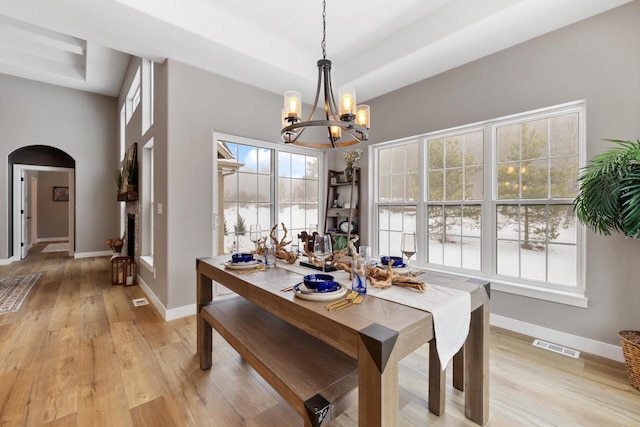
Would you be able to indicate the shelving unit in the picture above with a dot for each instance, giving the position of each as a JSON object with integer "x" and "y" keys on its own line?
{"x": 339, "y": 193}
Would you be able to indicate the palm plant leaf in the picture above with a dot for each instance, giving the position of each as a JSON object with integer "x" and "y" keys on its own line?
{"x": 609, "y": 196}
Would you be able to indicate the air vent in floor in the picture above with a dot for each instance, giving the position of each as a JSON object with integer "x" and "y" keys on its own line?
{"x": 556, "y": 348}
{"x": 137, "y": 302}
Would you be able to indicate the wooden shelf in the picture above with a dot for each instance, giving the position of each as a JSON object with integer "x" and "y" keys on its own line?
{"x": 129, "y": 196}
{"x": 349, "y": 193}
{"x": 341, "y": 212}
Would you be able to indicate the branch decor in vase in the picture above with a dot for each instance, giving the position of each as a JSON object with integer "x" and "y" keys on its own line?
{"x": 351, "y": 157}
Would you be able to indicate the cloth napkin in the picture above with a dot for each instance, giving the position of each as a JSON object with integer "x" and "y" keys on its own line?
{"x": 450, "y": 308}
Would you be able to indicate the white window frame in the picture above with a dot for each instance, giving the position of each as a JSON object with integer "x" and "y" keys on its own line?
{"x": 147, "y": 85}
{"x": 132, "y": 100}
{"x": 574, "y": 296}
{"x": 121, "y": 152}
{"x": 276, "y": 147}
{"x": 425, "y": 202}
{"x": 147, "y": 225}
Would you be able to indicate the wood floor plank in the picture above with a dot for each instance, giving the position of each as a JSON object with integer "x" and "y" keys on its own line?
{"x": 161, "y": 412}
{"x": 78, "y": 353}
{"x": 102, "y": 400}
{"x": 53, "y": 396}
{"x": 138, "y": 367}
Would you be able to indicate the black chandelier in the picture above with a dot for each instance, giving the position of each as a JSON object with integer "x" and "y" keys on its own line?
{"x": 350, "y": 119}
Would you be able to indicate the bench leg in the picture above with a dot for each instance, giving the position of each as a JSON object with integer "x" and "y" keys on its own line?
{"x": 317, "y": 410}
{"x": 437, "y": 381}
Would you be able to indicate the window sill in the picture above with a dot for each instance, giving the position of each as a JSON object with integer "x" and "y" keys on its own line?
{"x": 147, "y": 262}
{"x": 575, "y": 298}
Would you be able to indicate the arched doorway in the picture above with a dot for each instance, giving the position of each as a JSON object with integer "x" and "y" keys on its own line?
{"x": 23, "y": 163}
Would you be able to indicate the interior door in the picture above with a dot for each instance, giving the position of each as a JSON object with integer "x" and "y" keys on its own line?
{"x": 25, "y": 218}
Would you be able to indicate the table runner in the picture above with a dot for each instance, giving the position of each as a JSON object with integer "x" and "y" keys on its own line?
{"x": 450, "y": 308}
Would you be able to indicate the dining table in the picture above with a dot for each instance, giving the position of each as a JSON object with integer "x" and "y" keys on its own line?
{"x": 377, "y": 333}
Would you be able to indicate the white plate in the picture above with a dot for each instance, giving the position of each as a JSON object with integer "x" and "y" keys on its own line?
{"x": 242, "y": 265}
{"x": 319, "y": 296}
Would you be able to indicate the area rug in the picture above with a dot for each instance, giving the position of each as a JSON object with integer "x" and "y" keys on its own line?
{"x": 14, "y": 290}
{"x": 56, "y": 247}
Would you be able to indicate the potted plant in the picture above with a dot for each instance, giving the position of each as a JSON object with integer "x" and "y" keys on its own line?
{"x": 132, "y": 174}
{"x": 609, "y": 201}
{"x": 118, "y": 177}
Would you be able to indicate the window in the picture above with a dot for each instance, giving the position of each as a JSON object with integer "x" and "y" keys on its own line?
{"x": 123, "y": 126}
{"x": 454, "y": 200}
{"x": 537, "y": 168}
{"x": 147, "y": 95}
{"x": 297, "y": 191}
{"x": 262, "y": 185}
{"x": 398, "y": 194}
{"x": 494, "y": 201}
{"x": 148, "y": 204}
{"x": 133, "y": 96}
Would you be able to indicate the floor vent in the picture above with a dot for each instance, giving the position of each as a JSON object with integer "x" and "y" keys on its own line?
{"x": 137, "y": 302}
{"x": 556, "y": 348}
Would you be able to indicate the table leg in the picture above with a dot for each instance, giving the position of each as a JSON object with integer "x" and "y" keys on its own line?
{"x": 203, "y": 333}
{"x": 458, "y": 370}
{"x": 476, "y": 354}
{"x": 437, "y": 381}
{"x": 378, "y": 402}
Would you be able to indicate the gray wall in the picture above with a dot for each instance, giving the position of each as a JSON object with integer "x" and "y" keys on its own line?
{"x": 597, "y": 60}
{"x": 158, "y": 283}
{"x": 81, "y": 124}
{"x": 199, "y": 103}
{"x": 190, "y": 104}
{"x": 52, "y": 216}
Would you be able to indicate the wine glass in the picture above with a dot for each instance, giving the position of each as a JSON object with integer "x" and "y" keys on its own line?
{"x": 322, "y": 248}
{"x": 408, "y": 246}
{"x": 255, "y": 234}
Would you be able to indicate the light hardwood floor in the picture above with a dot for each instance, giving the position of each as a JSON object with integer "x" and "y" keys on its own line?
{"x": 79, "y": 354}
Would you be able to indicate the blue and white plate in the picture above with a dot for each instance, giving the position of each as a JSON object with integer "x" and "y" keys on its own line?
{"x": 335, "y": 292}
{"x": 384, "y": 267}
{"x": 401, "y": 269}
{"x": 242, "y": 265}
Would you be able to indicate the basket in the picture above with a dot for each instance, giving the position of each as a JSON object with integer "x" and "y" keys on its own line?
{"x": 630, "y": 342}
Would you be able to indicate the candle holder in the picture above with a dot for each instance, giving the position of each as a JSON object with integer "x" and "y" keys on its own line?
{"x": 118, "y": 276}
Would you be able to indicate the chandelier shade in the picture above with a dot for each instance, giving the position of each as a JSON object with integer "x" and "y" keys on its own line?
{"x": 344, "y": 119}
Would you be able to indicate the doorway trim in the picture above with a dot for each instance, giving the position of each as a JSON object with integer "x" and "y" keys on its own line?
{"x": 18, "y": 170}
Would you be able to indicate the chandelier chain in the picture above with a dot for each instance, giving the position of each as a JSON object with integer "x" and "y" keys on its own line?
{"x": 324, "y": 29}
{"x": 349, "y": 120}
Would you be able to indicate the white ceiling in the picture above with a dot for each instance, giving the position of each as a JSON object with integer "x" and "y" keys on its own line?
{"x": 376, "y": 46}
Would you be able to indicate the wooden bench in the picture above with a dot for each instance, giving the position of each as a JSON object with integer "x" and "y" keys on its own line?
{"x": 318, "y": 381}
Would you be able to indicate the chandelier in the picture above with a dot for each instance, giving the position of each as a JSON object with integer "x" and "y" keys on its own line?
{"x": 350, "y": 120}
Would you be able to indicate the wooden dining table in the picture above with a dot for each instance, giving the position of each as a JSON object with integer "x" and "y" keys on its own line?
{"x": 377, "y": 333}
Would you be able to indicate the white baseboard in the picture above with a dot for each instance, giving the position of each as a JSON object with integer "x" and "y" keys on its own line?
{"x": 576, "y": 342}
{"x": 167, "y": 315}
{"x": 8, "y": 261}
{"x": 51, "y": 239}
{"x": 178, "y": 312}
{"x": 92, "y": 254}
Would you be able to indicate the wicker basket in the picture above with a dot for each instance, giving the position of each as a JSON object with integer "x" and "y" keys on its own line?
{"x": 630, "y": 341}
